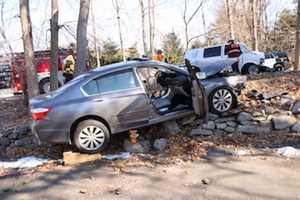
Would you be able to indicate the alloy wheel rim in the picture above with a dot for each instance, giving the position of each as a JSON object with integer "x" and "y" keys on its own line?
{"x": 91, "y": 138}
{"x": 222, "y": 100}
{"x": 46, "y": 87}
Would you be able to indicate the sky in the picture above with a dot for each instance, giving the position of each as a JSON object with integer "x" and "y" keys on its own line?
{"x": 168, "y": 18}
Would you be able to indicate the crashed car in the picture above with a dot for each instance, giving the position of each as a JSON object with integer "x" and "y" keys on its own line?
{"x": 221, "y": 85}
{"x": 112, "y": 99}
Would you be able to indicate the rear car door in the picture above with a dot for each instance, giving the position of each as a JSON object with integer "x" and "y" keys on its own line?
{"x": 199, "y": 97}
{"x": 121, "y": 96}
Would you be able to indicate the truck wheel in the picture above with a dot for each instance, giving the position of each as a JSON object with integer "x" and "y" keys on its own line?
{"x": 279, "y": 67}
{"x": 221, "y": 100}
{"x": 91, "y": 136}
{"x": 252, "y": 69}
{"x": 44, "y": 86}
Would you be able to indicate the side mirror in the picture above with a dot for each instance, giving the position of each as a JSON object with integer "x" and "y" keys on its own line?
{"x": 201, "y": 75}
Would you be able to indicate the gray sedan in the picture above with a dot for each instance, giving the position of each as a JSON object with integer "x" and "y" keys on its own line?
{"x": 114, "y": 99}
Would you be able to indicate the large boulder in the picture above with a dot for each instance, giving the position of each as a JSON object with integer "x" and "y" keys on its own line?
{"x": 296, "y": 108}
{"x": 244, "y": 116}
{"x": 253, "y": 129}
{"x": 283, "y": 121}
{"x": 296, "y": 127}
{"x": 140, "y": 147}
{"x": 171, "y": 127}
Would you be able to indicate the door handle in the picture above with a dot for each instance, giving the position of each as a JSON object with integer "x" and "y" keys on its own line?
{"x": 97, "y": 100}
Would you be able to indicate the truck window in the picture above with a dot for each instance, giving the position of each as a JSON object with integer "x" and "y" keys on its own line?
{"x": 212, "y": 52}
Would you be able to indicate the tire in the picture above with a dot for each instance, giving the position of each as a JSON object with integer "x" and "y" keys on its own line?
{"x": 279, "y": 67}
{"x": 44, "y": 85}
{"x": 252, "y": 69}
{"x": 99, "y": 133}
{"x": 223, "y": 106}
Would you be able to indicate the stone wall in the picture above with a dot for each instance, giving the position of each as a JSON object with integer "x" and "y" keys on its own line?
{"x": 255, "y": 122}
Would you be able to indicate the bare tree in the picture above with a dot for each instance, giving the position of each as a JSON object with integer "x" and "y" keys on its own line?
{"x": 151, "y": 48}
{"x": 187, "y": 20}
{"x": 96, "y": 48}
{"x": 297, "y": 51}
{"x": 117, "y": 7}
{"x": 229, "y": 18}
{"x": 142, "y": 8}
{"x": 254, "y": 24}
{"x": 2, "y": 28}
{"x": 153, "y": 25}
{"x": 54, "y": 45}
{"x": 81, "y": 37}
{"x": 31, "y": 77}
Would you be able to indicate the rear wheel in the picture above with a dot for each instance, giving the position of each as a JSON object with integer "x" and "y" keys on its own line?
{"x": 91, "y": 136}
{"x": 279, "y": 67}
{"x": 221, "y": 100}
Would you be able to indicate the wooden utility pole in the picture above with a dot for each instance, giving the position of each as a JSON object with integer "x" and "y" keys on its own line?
{"x": 142, "y": 8}
{"x": 229, "y": 18}
{"x": 31, "y": 76}
{"x": 297, "y": 51}
{"x": 81, "y": 38}
{"x": 117, "y": 7}
{"x": 54, "y": 45}
{"x": 96, "y": 47}
{"x": 254, "y": 25}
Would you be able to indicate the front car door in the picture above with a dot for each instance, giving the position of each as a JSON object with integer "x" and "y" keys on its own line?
{"x": 199, "y": 97}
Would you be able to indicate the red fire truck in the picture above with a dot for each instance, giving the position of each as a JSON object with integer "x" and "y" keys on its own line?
{"x": 43, "y": 66}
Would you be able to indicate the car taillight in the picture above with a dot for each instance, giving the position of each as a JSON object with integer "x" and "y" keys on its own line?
{"x": 39, "y": 113}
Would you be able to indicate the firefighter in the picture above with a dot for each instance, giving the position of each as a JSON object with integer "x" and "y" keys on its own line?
{"x": 159, "y": 56}
{"x": 69, "y": 68}
{"x": 234, "y": 52}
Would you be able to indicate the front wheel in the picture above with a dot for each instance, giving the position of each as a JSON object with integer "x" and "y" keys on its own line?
{"x": 252, "y": 69}
{"x": 91, "y": 136}
{"x": 279, "y": 67}
{"x": 44, "y": 86}
{"x": 221, "y": 100}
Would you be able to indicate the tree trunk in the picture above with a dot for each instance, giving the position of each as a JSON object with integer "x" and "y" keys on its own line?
{"x": 143, "y": 26}
{"x": 120, "y": 31}
{"x": 96, "y": 48}
{"x": 254, "y": 25}
{"x": 54, "y": 45}
{"x": 297, "y": 51}
{"x": 150, "y": 30}
{"x": 229, "y": 18}
{"x": 153, "y": 26}
{"x": 31, "y": 77}
{"x": 82, "y": 43}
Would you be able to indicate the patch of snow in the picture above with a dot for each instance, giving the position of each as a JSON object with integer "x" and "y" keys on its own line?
{"x": 26, "y": 162}
{"x": 288, "y": 151}
{"x": 122, "y": 155}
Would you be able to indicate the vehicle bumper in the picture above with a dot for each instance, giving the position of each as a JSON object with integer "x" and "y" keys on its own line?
{"x": 48, "y": 135}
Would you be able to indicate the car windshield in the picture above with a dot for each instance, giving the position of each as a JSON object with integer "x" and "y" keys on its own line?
{"x": 244, "y": 48}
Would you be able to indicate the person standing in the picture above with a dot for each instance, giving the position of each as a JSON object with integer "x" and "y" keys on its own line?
{"x": 234, "y": 52}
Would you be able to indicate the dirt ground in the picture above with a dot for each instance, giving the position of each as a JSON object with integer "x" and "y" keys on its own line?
{"x": 218, "y": 176}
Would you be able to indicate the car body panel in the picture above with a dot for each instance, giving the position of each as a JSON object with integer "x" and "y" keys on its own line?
{"x": 121, "y": 110}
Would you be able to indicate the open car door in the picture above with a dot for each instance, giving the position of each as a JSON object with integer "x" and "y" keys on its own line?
{"x": 199, "y": 97}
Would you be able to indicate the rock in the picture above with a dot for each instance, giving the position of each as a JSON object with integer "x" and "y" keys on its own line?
{"x": 74, "y": 158}
{"x": 219, "y": 132}
{"x": 4, "y": 141}
{"x": 224, "y": 119}
{"x": 296, "y": 108}
{"x": 206, "y": 181}
{"x": 296, "y": 127}
{"x": 231, "y": 124}
{"x": 229, "y": 129}
{"x": 244, "y": 116}
{"x": 160, "y": 144}
{"x": 248, "y": 123}
{"x": 283, "y": 121}
{"x": 286, "y": 102}
{"x": 212, "y": 116}
{"x": 23, "y": 141}
{"x": 22, "y": 129}
{"x": 188, "y": 120}
{"x": 257, "y": 114}
{"x": 200, "y": 131}
{"x": 266, "y": 123}
{"x": 253, "y": 129}
{"x": 209, "y": 125}
{"x": 134, "y": 148}
{"x": 221, "y": 125}
{"x": 171, "y": 127}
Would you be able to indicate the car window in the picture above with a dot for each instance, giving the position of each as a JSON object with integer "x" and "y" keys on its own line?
{"x": 226, "y": 49}
{"x": 212, "y": 52}
{"x": 112, "y": 82}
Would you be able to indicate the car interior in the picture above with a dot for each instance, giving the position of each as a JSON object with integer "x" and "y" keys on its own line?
{"x": 168, "y": 90}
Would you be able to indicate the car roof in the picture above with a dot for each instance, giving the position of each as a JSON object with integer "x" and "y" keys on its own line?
{"x": 126, "y": 65}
